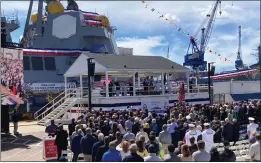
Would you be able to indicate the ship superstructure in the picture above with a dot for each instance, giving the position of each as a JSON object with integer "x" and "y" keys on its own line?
{"x": 55, "y": 39}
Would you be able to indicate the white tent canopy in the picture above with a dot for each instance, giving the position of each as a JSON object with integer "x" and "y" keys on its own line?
{"x": 114, "y": 63}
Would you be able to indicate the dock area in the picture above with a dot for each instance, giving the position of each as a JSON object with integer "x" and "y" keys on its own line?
{"x": 25, "y": 147}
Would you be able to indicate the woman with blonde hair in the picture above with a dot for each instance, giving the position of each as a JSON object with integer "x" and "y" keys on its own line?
{"x": 124, "y": 149}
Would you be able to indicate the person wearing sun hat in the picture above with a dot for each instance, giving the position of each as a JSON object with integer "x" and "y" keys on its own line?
{"x": 208, "y": 137}
{"x": 252, "y": 127}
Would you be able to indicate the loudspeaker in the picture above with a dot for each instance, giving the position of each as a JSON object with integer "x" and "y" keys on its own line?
{"x": 212, "y": 70}
{"x": 91, "y": 69}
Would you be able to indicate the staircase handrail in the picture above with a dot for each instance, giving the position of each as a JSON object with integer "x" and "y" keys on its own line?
{"x": 35, "y": 114}
{"x": 62, "y": 112}
{"x": 71, "y": 92}
{"x": 59, "y": 101}
{"x": 52, "y": 104}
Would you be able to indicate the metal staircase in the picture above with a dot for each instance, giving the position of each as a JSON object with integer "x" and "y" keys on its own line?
{"x": 57, "y": 107}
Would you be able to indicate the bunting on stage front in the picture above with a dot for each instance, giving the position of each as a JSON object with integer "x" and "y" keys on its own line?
{"x": 161, "y": 16}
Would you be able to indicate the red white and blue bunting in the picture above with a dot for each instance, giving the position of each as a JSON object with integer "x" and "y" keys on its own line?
{"x": 53, "y": 52}
{"x": 234, "y": 74}
{"x": 89, "y": 17}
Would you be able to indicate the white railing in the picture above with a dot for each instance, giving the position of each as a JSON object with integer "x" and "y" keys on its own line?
{"x": 56, "y": 102}
{"x": 142, "y": 91}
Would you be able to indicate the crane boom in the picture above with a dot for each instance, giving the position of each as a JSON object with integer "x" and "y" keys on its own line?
{"x": 239, "y": 62}
{"x": 195, "y": 59}
{"x": 210, "y": 25}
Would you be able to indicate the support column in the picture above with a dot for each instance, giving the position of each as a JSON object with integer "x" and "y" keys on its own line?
{"x": 162, "y": 84}
{"x": 81, "y": 86}
{"x": 65, "y": 85}
{"x": 187, "y": 76}
{"x": 106, "y": 84}
{"x": 168, "y": 84}
{"x": 139, "y": 83}
{"x": 133, "y": 84}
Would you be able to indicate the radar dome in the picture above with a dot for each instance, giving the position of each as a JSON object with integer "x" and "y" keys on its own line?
{"x": 104, "y": 19}
{"x": 34, "y": 17}
{"x": 55, "y": 7}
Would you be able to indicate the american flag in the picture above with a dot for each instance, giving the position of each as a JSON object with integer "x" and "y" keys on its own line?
{"x": 181, "y": 92}
{"x": 100, "y": 84}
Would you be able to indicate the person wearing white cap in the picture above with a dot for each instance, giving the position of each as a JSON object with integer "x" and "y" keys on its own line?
{"x": 208, "y": 137}
{"x": 191, "y": 132}
{"x": 252, "y": 127}
{"x": 188, "y": 118}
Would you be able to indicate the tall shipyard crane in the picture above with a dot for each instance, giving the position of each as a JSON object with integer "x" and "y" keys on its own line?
{"x": 239, "y": 65}
{"x": 195, "y": 59}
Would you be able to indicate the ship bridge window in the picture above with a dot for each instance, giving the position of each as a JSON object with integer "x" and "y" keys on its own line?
{"x": 27, "y": 65}
{"x": 49, "y": 63}
{"x": 37, "y": 63}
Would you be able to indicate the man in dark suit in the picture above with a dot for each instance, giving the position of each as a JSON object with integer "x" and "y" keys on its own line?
{"x": 236, "y": 128}
{"x": 102, "y": 149}
{"x": 97, "y": 145}
{"x": 86, "y": 145}
{"x": 133, "y": 156}
{"x": 71, "y": 128}
{"x": 61, "y": 141}
{"x": 227, "y": 132}
{"x": 75, "y": 145}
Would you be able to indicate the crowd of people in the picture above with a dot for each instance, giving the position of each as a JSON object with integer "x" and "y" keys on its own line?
{"x": 11, "y": 74}
{"x": 183, "y": 133}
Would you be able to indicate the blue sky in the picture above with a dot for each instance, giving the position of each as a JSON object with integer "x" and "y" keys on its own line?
{"x": 141, "y": 29}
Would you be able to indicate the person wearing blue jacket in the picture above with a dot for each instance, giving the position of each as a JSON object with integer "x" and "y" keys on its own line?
{"x": 154, "y": 127}
{"x": 86, "y": 145}
{"x": 112, "y": 155}
{"x": 76, "y": 143}
{"x": 96, "y": 146}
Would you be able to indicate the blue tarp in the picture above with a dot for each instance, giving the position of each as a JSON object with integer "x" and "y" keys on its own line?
{"x": 242, "y": 97}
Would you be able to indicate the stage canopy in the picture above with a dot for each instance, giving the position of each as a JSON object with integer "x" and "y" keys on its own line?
{"x": 113, "y": 64}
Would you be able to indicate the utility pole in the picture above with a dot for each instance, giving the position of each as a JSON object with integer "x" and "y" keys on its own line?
{"x": 209, "y": 88}
{"x": 91, "y": 70}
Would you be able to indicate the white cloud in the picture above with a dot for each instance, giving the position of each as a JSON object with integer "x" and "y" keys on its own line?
{"x": 151, "y": 32}
{"x": 227, "y": 37}
{"x": 142, "y": 46}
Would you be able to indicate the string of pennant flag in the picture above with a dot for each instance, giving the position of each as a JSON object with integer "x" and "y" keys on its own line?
{"x": 171, "y": 21}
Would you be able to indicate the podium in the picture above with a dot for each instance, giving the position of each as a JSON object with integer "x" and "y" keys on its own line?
{"x": 49, "y": 149}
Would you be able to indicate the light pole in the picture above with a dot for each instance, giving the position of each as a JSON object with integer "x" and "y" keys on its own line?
{"x": 91, "y": 70}
{"x": 209, "y": 89}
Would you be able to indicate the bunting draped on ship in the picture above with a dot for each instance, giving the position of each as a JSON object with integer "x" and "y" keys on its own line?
{"x": 54, "y": 51}
{"x": 181, "y": 30}
{"x": 89, "y": 17}
{"x": 181, "y": 92}
{"x": 234, "y": 74}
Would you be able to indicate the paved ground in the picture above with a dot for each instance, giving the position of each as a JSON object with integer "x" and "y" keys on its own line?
{"x": 25, "y": 147}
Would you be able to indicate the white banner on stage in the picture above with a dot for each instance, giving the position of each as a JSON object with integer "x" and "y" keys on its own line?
{"x": 158, "y": 106}
{"x": 47, "y": 87}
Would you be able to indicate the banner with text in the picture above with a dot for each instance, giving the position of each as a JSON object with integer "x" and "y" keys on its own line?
{"x": 47, "y": 87}
{"x": 158, "y": 106}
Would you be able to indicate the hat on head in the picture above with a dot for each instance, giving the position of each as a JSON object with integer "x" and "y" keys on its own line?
{"x": 191, "y": 125}
{"x": 206, "y": 124}
{"x": 251, "y": 119}
{"x": 188, "y": 117}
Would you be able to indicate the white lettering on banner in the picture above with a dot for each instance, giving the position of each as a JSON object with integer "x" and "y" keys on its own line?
{"x": 48, "y": 87}
{"x": 159, "y": 106}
